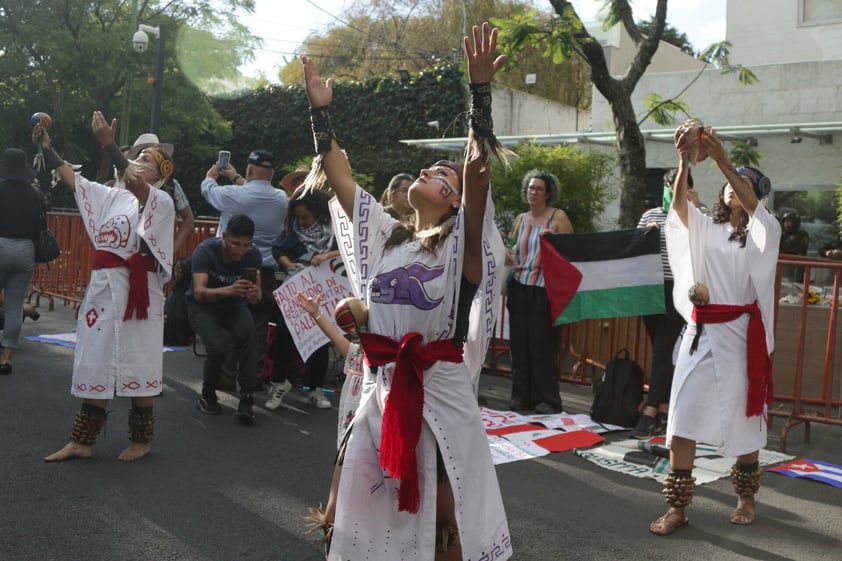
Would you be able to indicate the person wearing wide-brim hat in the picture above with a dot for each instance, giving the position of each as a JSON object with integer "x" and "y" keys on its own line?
{"x": 20, "y": 226}
{"x": 171, "y": 186}
{"x": 294, "y": 179}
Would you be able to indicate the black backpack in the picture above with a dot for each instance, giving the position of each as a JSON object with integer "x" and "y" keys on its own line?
{"x": 618, "y": 394}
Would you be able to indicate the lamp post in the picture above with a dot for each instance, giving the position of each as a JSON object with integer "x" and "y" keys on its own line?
{"x": 140, "y": 41}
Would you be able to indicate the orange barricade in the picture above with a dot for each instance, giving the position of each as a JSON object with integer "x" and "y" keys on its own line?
{"x": 67, "y": 277}
{"x": 806, "y": 372}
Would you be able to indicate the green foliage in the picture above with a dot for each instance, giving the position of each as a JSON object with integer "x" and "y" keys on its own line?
{"x": 370, "y": 118}
{"x": 584, "y": 178}
{"x": 742, "y": 154}
{"x": 663, "y": 111}
{"x": 717, "y": 54}
{"x": 71, "y": 58}
{"x": 670, "y": 35}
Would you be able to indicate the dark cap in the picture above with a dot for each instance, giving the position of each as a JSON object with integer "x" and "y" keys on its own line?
{"x": 262, "y": 159}
{"x": 14, "y": 166}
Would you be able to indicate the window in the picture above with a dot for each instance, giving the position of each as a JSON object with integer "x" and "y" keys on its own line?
{"x": 819, "y": 12}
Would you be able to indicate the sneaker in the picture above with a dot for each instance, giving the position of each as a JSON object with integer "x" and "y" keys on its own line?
{"x": 317, "y": 398}
{"x": 245, "y": 409}
{"x": 660, "y": 423}
{"x": 276, "y": 394}
{"x": 209, "y": 406}
{"x": 645, "y": 428}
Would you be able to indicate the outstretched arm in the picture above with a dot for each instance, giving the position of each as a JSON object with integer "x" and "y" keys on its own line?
{"x": 684, "y": 146}
{"x": 52, "y": 159}
{"x": 333, "y": 160}
{"x": 742, "y": 187}
{"x": 482, "y": 64}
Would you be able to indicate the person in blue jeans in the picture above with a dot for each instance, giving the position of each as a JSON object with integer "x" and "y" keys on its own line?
{"x": 20, "y": 227}
{"x": 217, "y": 307}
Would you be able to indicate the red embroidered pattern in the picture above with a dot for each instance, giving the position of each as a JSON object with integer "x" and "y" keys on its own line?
{"x": 91, "y": 317}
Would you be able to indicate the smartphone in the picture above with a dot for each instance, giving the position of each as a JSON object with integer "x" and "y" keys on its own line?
{"x": 224, "y": 159}
{"x": 250, "y": 274}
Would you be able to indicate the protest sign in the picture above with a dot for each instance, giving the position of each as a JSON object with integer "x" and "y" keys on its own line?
{"x": 328, "y": 280}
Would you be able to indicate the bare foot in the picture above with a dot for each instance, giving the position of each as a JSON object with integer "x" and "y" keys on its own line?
{"x": 70, "y": 451}
{"x": 666, "y": 525}
{"x": 135, "y": 451}
{"x": 744, "y": 513}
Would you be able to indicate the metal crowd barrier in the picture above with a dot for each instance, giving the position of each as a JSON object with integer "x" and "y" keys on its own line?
{"x": 66, "y": 278}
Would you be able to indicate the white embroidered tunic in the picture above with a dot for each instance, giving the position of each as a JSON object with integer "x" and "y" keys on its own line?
{"x": 408, "y": 289}
{"x": 116, "y": 357}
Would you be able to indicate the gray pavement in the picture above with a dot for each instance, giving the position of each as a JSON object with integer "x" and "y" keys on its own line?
{"x": 214, "y": 490}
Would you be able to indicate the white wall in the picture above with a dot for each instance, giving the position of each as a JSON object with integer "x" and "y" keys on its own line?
{"x": 520, "y": 113}
{"x": 790, "y": 93}
{"x": 771, "y": 32}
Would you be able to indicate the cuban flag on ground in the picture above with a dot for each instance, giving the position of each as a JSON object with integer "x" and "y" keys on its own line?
{"x": 811, "y": 469}
{"x": 603, "y": 275}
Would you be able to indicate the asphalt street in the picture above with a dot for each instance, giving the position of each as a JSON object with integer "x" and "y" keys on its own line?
{"x": 214, "y": 490}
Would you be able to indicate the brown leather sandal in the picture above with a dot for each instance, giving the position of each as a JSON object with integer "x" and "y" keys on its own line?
{"x": 666, "y": 524}
{"x": 744, "y": 513}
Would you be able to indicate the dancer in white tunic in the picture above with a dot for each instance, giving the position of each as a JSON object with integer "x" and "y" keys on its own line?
{"x": 416, "y": 480}
{"x": 722, "y": 385}
{"x": 120, "y": 328}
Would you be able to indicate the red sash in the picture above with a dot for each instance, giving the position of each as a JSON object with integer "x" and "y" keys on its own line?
{"x": 138, "y": 266}
{"x": 403, "y": 414}
{"x": 760, "y": 388}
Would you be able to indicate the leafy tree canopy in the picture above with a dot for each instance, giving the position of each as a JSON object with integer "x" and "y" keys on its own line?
{"x": 71, "y": 58}
{"x": 382, "y": 37}
{"x": 669, "y": 35}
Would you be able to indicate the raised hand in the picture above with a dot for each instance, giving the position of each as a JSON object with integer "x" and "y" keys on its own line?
{"x": 482, "y": 65}
{"x": 310, "y": 305}
{"x": 104, "y": 132}
{"x": 684, "y": 144}
{"x": 40, "y": 135}
{"x": 319, "y": 93}
{"x": 714, "y": 147}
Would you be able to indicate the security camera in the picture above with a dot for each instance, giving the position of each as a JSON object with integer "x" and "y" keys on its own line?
{"x": 140, "y": 41}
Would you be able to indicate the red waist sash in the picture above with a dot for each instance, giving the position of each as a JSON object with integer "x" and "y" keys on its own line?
{"x": 403, "y": 413}
{"x": 759, "y": 365}
{"x": 138, "y": 265}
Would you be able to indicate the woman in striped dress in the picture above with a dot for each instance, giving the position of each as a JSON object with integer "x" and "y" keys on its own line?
{"x": 533, "y": 338}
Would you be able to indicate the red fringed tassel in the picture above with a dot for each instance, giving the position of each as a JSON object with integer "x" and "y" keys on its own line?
{"x": 138, "y": 288}
{"x": 402, "y": 418}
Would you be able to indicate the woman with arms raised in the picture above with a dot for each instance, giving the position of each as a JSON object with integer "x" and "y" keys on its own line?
{"x": 726, "y": 265}
{"x": 417, "y": 480}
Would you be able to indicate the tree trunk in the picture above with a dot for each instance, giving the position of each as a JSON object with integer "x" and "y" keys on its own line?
{"x": 631, "y": 150}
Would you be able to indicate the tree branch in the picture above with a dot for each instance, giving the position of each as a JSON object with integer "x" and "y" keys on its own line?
{"x": 647, "y": 47}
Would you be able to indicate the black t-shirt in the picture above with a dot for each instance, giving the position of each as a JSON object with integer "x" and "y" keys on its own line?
{"x": 207, "y": 259}
{"x": 20, "y": 211}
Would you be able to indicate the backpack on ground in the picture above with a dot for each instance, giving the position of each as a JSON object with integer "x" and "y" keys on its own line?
{"x": 619, "y": 392}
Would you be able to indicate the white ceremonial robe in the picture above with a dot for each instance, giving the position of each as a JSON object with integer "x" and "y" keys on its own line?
{"x": 709, "y": 388}
{"x": 116, "y": 357}
{"x": 407, "y": 290}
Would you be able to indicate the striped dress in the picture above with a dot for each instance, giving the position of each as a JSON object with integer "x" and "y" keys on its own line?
{"x": 527, "y": 269}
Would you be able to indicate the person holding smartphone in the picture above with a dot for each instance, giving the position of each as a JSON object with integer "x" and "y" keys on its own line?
{"x": 256, "y": 197}
{"x": 226, "y": 280}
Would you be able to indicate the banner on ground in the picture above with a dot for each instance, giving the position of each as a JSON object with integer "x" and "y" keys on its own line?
{"x": 633, "y": 457}
{"x": 328, "y": 280}
{"x": 603, "y": 275}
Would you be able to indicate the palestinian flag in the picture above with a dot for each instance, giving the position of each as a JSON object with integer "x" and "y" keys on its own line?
{"x": 603, "y": 275}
